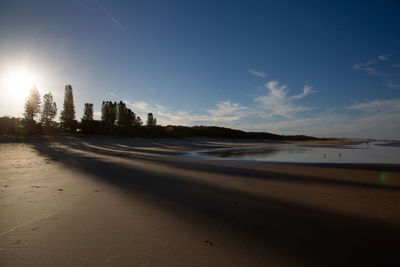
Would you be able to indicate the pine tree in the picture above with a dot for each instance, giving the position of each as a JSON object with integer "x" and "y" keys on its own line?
{"x": 138, "y": 121}
{"x": 32, "y": 105}
{"x": 67, "y": 117}
{"x": 126, "y": 117}
{"x": 49, "y": 109}
{"x": 151, "y": 121}
{"x": 121, "y": 117}
{"x": 109, "y": 112}
{"x": 88, "y": 112}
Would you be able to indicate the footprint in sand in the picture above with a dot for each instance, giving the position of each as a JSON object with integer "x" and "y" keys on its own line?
{"x": 209, "y": 242}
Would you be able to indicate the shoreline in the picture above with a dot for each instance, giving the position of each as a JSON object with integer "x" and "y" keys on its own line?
{"x": 374, "y": 154}
{"x": 132, "y": 202}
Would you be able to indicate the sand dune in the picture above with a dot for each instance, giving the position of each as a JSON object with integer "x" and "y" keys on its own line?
{"x": 94, "y": 201}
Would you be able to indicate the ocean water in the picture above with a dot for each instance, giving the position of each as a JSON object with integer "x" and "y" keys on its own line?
{"x": 372, "y": 152}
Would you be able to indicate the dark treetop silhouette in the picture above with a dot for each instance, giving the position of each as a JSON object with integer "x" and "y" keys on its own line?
{"x": 49, "y": 110}
{"x": 116, "y": 119}
{"x": 32, "y": 105}
{"x": 88, "y": 112}
{"x": 67, "y": 117}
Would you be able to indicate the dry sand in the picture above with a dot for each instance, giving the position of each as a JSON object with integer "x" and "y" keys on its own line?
{"x": 127, "y": 202}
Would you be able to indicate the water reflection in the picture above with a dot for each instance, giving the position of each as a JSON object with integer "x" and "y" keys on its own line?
{"x": 376, "y": 152}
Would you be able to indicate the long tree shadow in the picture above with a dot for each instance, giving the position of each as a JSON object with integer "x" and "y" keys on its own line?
{"x": 314, "y": 235}
{"x": 159, "y": 157}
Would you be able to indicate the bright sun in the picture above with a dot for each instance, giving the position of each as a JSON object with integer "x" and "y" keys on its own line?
{"x": 17, "y": 84}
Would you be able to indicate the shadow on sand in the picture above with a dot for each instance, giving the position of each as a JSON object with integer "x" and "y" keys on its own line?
{"x": 314, "y": 236}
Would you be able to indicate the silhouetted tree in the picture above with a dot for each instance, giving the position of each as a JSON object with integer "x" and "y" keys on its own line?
{"x": 126, "y": 117}
{"x": 49, "y": 109}
{"x": 67, "y": 117}
{"x": 32, "y": 105}
{"x": 138, "y": 121}
{"x": 88, "y": 112}
{"x": 9, "y": 125}
{"x": 151, "y": 121}
{"x": 90, "y": 126}
{"x": 109, "y": 112}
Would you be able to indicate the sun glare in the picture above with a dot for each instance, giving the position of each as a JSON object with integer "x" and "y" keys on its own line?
{"x": 17, "y": 84}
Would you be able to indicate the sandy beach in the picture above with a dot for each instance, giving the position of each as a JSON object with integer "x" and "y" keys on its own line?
{"x": 68, "y": 201}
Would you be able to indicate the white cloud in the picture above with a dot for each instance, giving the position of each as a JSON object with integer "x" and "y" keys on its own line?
{"x": 378, "y": 105}
{"x": 366, "y": 67}
{"x": 374, "y": 119}
{"x": 332, "y": 124}
{"x": 139, "y": 105}
{"x": 111, "y": 16}
{"x": 376, "y": 126}
{"x": 257, "y": 73}
{"x": 97, "y": 115}
{"x": 380, "y": 67}
{"x": 393, "y": 85}
{"x": 82, "y": 4}
{"x": 104, "y": 10}
{"x": 226, "y": 108}
{"x": 320, "y": 125}
{"x": 276, "y": 102}
{"x": 383, "y": 57}
{"x": 371, "y": 119}
{"x": 225, "y": 114}
{"x": 306, "y": 91}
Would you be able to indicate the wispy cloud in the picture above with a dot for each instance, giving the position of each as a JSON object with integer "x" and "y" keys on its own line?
{"x": 139, "y": 105}
{"x": 367, "y": 67}
{"x": 331, "y": 124}
{"x": 83, "y": 5}
{"x": 378, "y": 105}
{"x": 306, "y": 91}
{"x": 380, "y": 67}
{"x": 225, "y": 114}
{"x": 322, "y": 124}
{"x": 257, "y": 73}
{"x": 103, "y": 9}
{"x": 225, "y": 108}
{"x": 383, "y": 57}
{"x": 111, "y": 16}
{"x": 377, "y": 118}
{"x": 277, "y": 101}
{"x": 393, "y": 85}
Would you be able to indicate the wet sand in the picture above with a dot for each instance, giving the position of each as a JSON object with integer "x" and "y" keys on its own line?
{"x": 129, "y": 202}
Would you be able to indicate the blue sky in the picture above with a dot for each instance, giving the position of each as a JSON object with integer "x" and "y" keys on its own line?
{"x": 322, "y": 68}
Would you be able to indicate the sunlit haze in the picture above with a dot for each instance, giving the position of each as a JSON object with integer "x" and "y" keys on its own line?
{"x": 16, "y": 84}
{"x": 315, "y": 68}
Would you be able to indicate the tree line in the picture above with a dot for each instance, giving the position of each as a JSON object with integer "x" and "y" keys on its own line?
{"x": 116, "y": 119}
